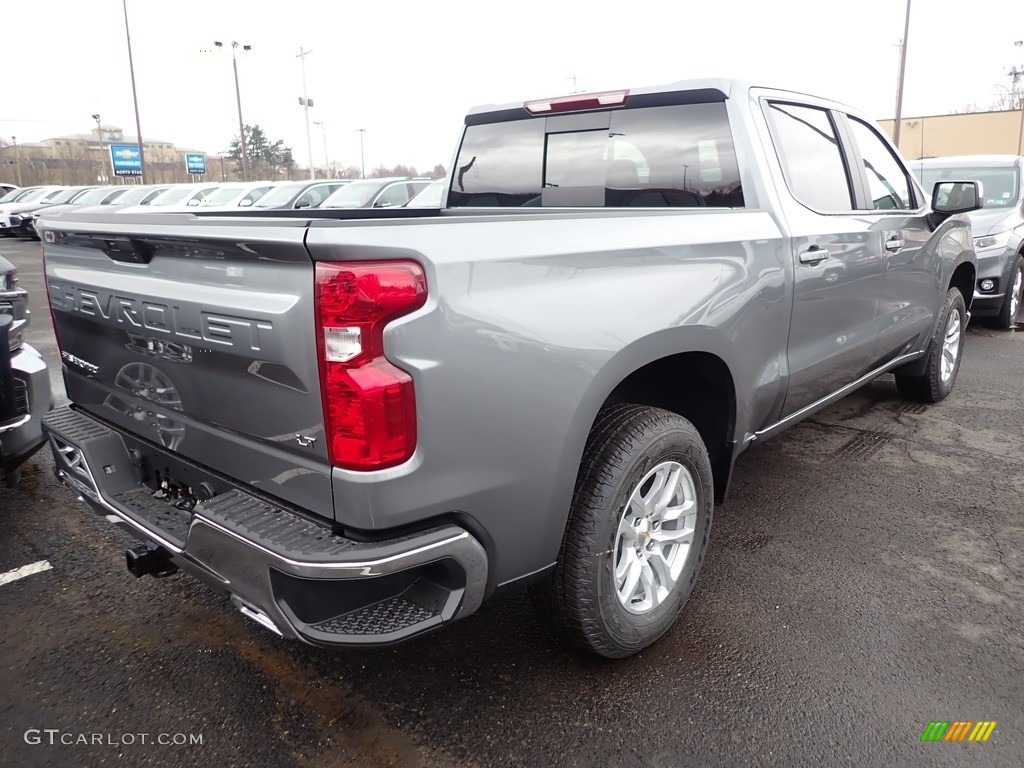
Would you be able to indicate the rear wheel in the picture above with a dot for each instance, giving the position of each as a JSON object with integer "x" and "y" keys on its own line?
{"x": 637, "y": 533}
{"x": 944, "y": 355}
{"x": 1009, "y": 313}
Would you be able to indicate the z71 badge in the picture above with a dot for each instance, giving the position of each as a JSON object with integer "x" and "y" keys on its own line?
{"x": 91, "y": 369}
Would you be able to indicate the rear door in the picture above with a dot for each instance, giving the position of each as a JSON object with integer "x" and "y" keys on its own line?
{"x": 197, "y": 336}
{"x": 837, "y": 265}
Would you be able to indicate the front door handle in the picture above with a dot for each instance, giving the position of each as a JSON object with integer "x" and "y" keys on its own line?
{"x": 894, "y": 244}
{"x": 813, "y": 255}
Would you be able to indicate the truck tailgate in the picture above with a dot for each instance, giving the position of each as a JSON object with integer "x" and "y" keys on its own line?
{"x": 196, "y": 341}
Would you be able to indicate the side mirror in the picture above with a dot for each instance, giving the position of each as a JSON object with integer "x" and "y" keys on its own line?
{"x": 949, "y": 197}
{"x": 302, "y": 204}
{"x": 244, "y": 203}
{"x": 952, "y": 197}
{"x": 382, "y": 204}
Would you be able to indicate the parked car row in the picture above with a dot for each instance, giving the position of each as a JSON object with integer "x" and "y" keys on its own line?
{"x": 20, "y": 208}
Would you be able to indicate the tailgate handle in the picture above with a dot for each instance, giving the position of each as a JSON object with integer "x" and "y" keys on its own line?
{"x": 125, "y": 249}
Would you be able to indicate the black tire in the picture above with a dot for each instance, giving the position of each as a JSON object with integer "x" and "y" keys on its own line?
{"x": 930, "y": 387}
{"x": 579, "y": 599}
{"x": 1007, "y": 319}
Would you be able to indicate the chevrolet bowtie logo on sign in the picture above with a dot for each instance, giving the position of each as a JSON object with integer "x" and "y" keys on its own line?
{"x": 126, "y": 153}
{"x": 959, "y": 730}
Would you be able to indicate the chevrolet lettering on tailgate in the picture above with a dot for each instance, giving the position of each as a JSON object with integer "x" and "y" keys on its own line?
{"x": 184, "y": 322}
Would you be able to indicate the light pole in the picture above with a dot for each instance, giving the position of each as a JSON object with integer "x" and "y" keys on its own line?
{"x": 362, "y": 157}
{"x": 238, "y": 100}
{"x": 135, "y": 95}
{"x": 899, "y": 84}
{"x": 306, "y": 103}
{"x": 221, "y": 155}
{"x": 323, "y": 135}
{"x": 99, "y": 138}
{"x": 17, "y": 159}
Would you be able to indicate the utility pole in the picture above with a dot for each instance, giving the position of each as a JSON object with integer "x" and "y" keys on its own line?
{"x": 306, "y": 104}
{"x": 899, "y": 84}
{"x": 362, "y": 157}
{"x": 1020, "y": 135}
{"x": 135, "y": 95}
{"x": 17, "y": 159}
{"x": 238, "y": 100}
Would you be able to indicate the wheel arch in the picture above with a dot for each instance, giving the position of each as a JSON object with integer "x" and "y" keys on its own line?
{"x": 698, "y": 383}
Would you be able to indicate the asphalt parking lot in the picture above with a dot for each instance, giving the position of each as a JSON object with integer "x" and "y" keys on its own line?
{"x": 865, "y": 577}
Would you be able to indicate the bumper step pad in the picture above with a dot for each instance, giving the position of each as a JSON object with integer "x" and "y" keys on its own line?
{"x": 293, "y": 574}
{"x": 385, "y": 617}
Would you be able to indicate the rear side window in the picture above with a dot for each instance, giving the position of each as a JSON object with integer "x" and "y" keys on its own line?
{"x": 672, "y": 156}
{"x": 812, "y": 162}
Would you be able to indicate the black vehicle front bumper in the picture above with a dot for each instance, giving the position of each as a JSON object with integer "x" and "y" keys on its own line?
{"x": 288, "y": 571}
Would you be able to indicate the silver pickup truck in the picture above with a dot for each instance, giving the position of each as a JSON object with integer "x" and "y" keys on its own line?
{"x": 360, "y": 425}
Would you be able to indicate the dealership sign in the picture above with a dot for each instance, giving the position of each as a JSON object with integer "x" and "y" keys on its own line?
{"x": 195, "y": 163}
{"x": 125, "y": 159}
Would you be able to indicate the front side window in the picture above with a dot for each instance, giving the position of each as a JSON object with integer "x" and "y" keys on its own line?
{"x": 311, "y": 198}
{"x": 253, "y": 196}
{"x": 811, "y": 159}
{"x": 396, "y": 194}
{"x": 888, "y": 182}
{"x": 354, "y": 195}
{"x": 671, "y": 156}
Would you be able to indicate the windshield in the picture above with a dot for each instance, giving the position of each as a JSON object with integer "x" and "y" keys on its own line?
{"x": 92, "y": 197}
{"x": 152, "y": 195}
{"x": 129, "y": 196}
{"x": 430, "y": 197}
{"x": 354, "y": 195}
{"x": 280, "y": 196}
{"x": 173, "y": 196}
{"x": 1000, "y": 185}
{"x": 223, "y": 196}
{"x": 36, "y": 194}
{"x": 63, "y": 196}
{"x": 13, "y": 195}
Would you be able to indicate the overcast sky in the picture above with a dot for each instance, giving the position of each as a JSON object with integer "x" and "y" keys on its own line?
{"x": 407, "y": 70}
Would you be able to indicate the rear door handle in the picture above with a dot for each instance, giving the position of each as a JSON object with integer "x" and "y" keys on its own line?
{"x": 894, "y": 244}
{"x": 813, "y": 255}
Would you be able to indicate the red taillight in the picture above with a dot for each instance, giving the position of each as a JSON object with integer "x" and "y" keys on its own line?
{"x": 577, "y": 102}
{"x": 369, "y": 404}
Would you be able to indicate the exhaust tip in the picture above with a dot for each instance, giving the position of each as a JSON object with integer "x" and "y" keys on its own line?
{"x": 148, "y": 561}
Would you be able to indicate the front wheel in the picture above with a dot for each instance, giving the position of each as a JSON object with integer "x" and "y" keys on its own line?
{"x": 944, "y": 355}
{"x": 1009, "y": 313}
{"x": 637, "y": 533}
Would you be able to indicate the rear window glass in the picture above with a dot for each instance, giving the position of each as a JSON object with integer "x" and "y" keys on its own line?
{"x": 674, "y": 156}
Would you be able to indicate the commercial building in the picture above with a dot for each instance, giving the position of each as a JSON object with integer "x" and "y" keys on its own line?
{"x": 970, "y": 133}
{"x": 84, "y": 158}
